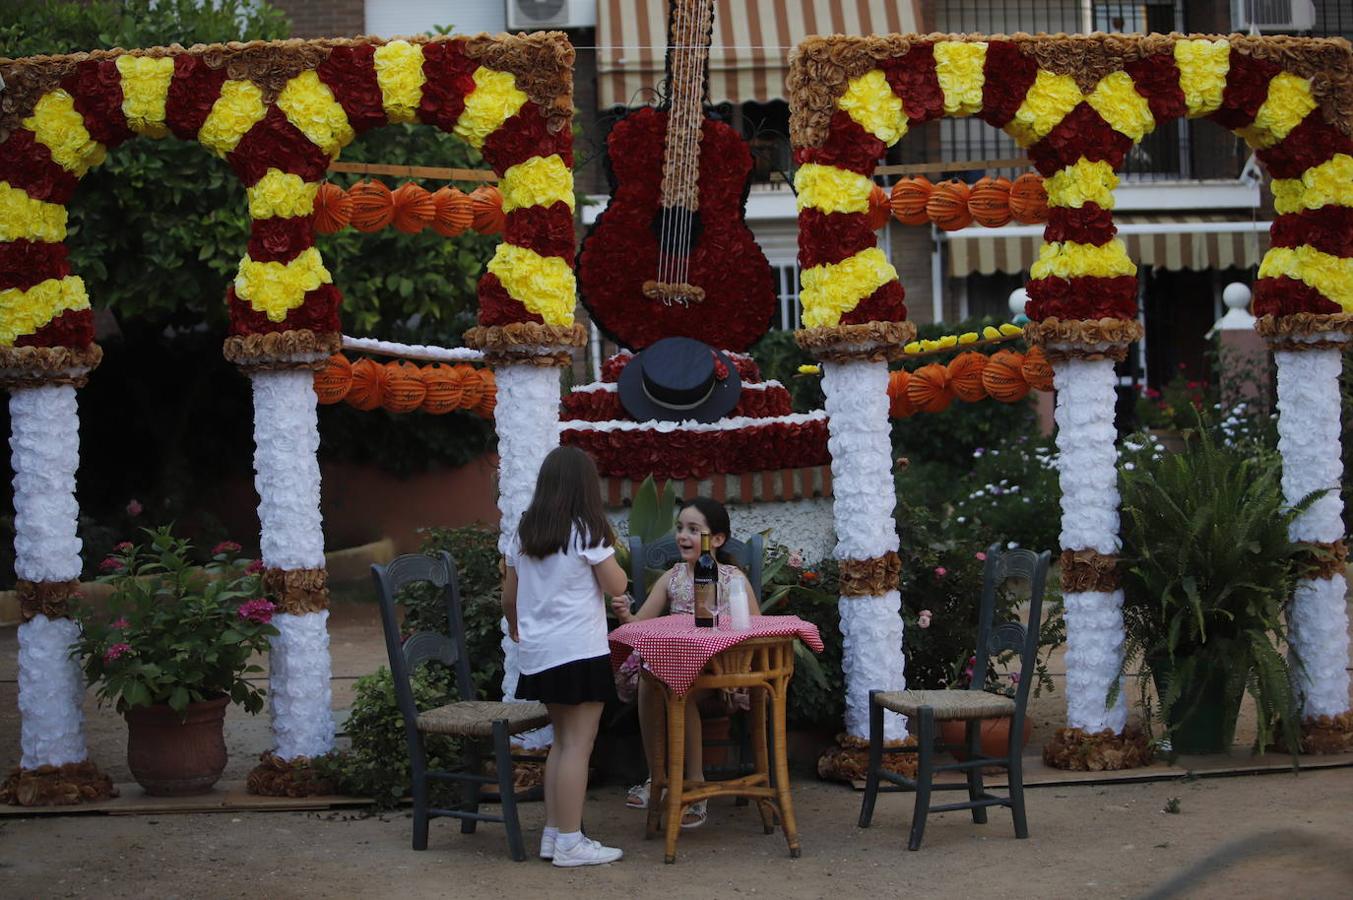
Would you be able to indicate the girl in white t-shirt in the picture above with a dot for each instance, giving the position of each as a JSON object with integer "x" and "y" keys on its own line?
{"x": 558, "y": 565}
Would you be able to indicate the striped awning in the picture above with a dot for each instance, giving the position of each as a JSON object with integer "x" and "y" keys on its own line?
{"x": 749, "y": 51}
{"x": 1169, "y": 241}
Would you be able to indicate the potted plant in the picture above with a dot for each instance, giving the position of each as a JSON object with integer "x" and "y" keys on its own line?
{"x": 1211, "y": 567}
{"x": 1168, "y": 415}
{"x": 172, "y": 651}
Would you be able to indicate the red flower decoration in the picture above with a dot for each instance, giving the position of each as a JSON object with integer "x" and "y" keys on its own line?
{"x": 913, "y": 77}
{"x": 720, "y": 370}
{"x": 601, "y": 406}
{"x": 96, "y": 87}
{"x": 884, "y": 305}
{"x": 24, "y": 263}
{"x": 828, "y": 238}
{"x": 1081, "y": 133}
{"x": 318, "y": 313}
{"x": 1091, "y": 224}
{"x": 1008, "y": 76}
{"x": 1083, "y": 297}
{"x": 1283, "y": 296}
{"x": 193, "y": 90}
{"x": 525, "y": 135}
{"x": 274, "y": 143}
{"x": 73, "y": 328}
{"x": 1311, "y": 143}
{"x": 848, "y": 146}
{"x": 1328, "y": 229}
{"x": 280, "y": 238}
{"x": 547, "y": 231}
{"x": 498, "y": 307}
{"x": 450, "y": 78}
{"x": 29, "y": 165}
{"x": 687, "y": 454}
{"x": 1246, "y": 89}
{"x": 350, "y": 72}
{"x": 1157, "y": 79}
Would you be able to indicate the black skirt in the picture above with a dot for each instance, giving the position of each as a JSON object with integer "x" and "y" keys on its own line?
{"x": 580, "y": 681}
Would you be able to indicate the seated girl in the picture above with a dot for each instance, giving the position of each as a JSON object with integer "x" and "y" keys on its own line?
{"x": 674, "y": 593}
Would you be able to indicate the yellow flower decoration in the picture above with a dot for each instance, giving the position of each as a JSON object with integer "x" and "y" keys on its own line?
{"x": 145, "y": 87}
{"x": 1082, "y": 182}
{"x": 913, "y": 347}
{"x": 539, "y": 181}
{"x": 810, "y": 370}
{"x": 25, "y": 311}
{"x": 1048, "y": 101}
{"x": 495, "y": 99}
{"x": 280, "y": 193}
{"x": 870, "y": 101}
{"x": 23, "y": 218}
{"x": 1203, "y": 65}
{"x": 833, "y": 289}
{"x": 543, "y": 284}
{"x": 236, "y": 110}
{"x": 276, "y": 288}
{"x": 1328, "y": 184}
{"x": 959, "y": 66}
{"x": 968, "y": 337}
{"x": 830, "y": 189}
{"x": 929, "y": 346}
{"x": 399, "y": 73}
{"x": 311, "y": 107}
{"x": 1068, "y": 259}
{"x": 1328, "y": 274}
{"x": 990, "y": 333}
{"x": 1010, "y": 330}
{"x": 57, "y": 125}
{"x": 1116, "y": 99}
{"x": 1289, "y": 100}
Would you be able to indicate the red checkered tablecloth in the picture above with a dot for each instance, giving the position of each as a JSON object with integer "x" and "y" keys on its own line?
{"x": 675, "y": 650}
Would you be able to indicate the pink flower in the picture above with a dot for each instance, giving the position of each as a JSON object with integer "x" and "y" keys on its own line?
{"x": 225, "y": 547}
{"x": 980, "y": 555}
{"x": 1014, "y": 678}
{"x": 123, "y": 546}
{"x": 941, "y": 571}
{"x": 254, "y": 567}
{"x": 117, "y": 651}
{"x": 796, "y": 560}
{"x": 134, "y": 507}
{"x": 923, "y": 618}
{"x": 259, "y": 610}
{"x": 111, "y": 564}
{"x": 122, "y": 623}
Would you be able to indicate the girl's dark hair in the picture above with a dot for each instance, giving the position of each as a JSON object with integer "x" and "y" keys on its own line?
{"x": 716, "y": 517}
{"x": 567, "y": 496}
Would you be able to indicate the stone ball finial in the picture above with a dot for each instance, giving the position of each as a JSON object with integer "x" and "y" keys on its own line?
{"x": 1018, "y": 298}
{"x": 1236, "y": 295}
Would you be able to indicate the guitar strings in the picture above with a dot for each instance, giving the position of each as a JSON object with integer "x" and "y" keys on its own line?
{"x": 675, "y": 119}
{"x": 690, "y": 142}
{"x": 694, "y": 114}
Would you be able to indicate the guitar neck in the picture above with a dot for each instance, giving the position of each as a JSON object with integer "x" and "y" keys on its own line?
{"x": 689, "y": 40}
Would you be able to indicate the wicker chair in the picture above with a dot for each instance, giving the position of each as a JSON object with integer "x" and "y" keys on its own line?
{"x": 973, "y": 705}
{"x": 473, "y": 721}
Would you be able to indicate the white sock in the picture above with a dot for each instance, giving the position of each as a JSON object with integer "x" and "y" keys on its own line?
{"x": 551, "y": 832}
{"x": 567, "y": 840}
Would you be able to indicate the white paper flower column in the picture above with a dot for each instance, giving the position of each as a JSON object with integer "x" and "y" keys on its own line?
{"x": 862, "y": 484}
{"x": 286, "y": 440}
{"x": 1308, "y": 439}
{"x": 1089, "y": 482}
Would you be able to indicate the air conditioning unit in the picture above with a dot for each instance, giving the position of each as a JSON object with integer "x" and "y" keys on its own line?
{"x": 545, "y": 15}
{"x": 1272, "y": 15}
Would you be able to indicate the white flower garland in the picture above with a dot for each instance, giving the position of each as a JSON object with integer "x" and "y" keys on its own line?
{"x": 611, "y": 387}
{"x": 298, "y": 685}
{"x": 1088, "y": 475}
{"x": 737, "y": 423}
{"x": 871, "y": 627}
{"x": 45, "y": 445}
{"x": 412, "y": 351}
{"x": 1309, "y": 441}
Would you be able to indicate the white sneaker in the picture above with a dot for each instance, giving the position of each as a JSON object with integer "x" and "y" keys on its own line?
{"x": 586, "y": 852}
{"x": 547, "y": 846}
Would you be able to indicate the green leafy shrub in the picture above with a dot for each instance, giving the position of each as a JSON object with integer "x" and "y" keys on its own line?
{"x": 817, "y": 692}
{"x": 779, "y": 357}
{"x": 1011, "y": 493}
{"x": 475, "y": 550}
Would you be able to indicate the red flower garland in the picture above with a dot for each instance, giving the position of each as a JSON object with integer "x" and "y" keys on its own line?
{"x": 450, "y": 79}
{"x": 498, "y": 307}
{"x": 1329, "y": 229}
{"x": 29, "y": 165}
{"x": 318, "y": 313}
{"x": 914, "y": 78}
{"x": 350, "y": 73}
{"x": 192, "y": 91}
{"x": 1091, "y": 224}
{"x": 96, "y": 88}
{"x": 280, "y": 239}
{"x": 604, "y": 406}
{"x": 525, "y": 135}
{"x": 24, "y": 263}
{"x": 1311, "y": 143}
{"x": 828, "y": 238}
{"x": 884, "y": 305}
{"x": 547, "y": 231}
{"x": 1157, "y": 79}
{"x": 1008, "y": 75}
{"x": 1082, "y": 133}
{"x": 274, "y": 143}
{"x": 1246, "y": 89}
{"x": 691, "y": 454}
{"x": 1283, "y": 296}
{"x": 73, "y": 328}
{"x": 1083, "y": 297}
{"x": 848, "y": 146}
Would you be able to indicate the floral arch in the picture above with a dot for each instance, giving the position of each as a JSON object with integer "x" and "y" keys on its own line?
{"x": 278, "y": 113}
{"x": 1077, "y": 105}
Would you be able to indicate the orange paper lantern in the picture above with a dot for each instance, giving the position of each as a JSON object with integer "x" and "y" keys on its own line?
{"x": 909, "y": 199}
{"x": 1029, "y": 199}
{"x": 899, "y": 404}
{"x": 488, "y": 209}
{"x": 965, "y": 376}
{"x": 989, "y": 202}
{"x": 471, "y": 386}
{"x": 442, "y": 391}
{"x": 928, "y": 388}
{"x": 373, "y": 206}
{"x": 368, "y": 384}
{"x": 879, "y": 208}
{"x": 455, "y": 212}
{"x": 414, "y": 209}
{"x": 948, "y": 206}
{"x": 1003, "y": 377}
{"x": 404, "y": 390}
{"x": 333, "y": 208}
{"x": 332, "y": 382}
{"x": 1037, "y": 371}
{"x": 488, "y": 402}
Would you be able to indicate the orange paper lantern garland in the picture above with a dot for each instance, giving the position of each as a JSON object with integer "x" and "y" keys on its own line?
{"x": 1037, "y": 370}
{"x": 879, "y": 208}
{"x": 401, "y": 386}
{"x": 1006, "y": 376}
{"x": 899, "y": 403}
{"x": 965, "y": 376}
{"x": 1003, "y": 376}
{"x": 991, "y": 202}
{"x": 929, "y": 390}
{"x": 370, "y": 206}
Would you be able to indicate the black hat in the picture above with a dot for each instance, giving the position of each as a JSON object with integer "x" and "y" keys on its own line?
{"x": 676, "y": 379}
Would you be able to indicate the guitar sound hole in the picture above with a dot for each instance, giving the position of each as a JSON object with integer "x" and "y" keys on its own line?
{"x": 677, "y": 230}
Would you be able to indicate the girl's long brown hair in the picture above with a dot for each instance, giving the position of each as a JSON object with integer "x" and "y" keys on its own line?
{"x": 567, "y": 496}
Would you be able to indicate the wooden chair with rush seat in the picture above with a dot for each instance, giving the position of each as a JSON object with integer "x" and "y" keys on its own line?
{"x": 926, "y": 708}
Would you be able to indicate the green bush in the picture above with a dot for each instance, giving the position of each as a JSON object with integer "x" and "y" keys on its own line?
{"x": 1011, "y": 493}
{"x": 779, "y": 358}
{"x": 475, "y": 550}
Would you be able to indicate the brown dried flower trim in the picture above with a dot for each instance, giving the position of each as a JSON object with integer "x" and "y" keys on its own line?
{"x": 1088, "y": 570}
{"x": 277, "y": 777}
{"x": 1324, "y": 559}
{"x": 870, "y": 577}
{"x": 50, "y": 598}
{"x": 299, "y": 349}
{"x": 1083, "y": 338}
{"x": 297, "y": 591}
{"x": 848, "y": 761}
{"x": 868, "y": 341}
{"x": 1323, "y": 735}
{"x": 64, "y": 785}
{"x": 527, "y": 342}
{"x": 24, "y": 367}
{"x": 1287, "y": 332}
{"x": 820, "y": 69}
{"x": 541, "y": 62}
{"x": 1078, "y": 750}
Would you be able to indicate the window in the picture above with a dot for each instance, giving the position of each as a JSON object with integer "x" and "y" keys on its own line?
{"x": 787, "y": 285}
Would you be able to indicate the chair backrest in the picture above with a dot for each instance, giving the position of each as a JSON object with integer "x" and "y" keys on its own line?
{"x": 994, "y": 638}
{"x": 424, "y": 646}
{"x": 663, "y": 554}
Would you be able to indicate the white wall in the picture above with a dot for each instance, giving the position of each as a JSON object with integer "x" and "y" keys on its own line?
{"x": 388, "y": 18}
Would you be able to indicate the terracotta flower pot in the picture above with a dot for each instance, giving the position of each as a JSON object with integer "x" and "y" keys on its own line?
{"x": 995, "y": 735}
{"x": 173, "y": 757}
